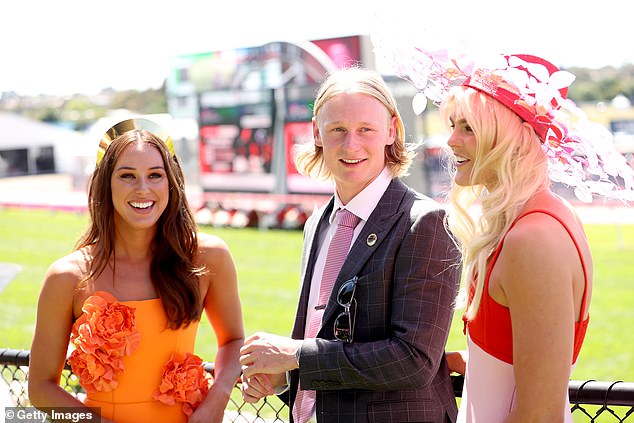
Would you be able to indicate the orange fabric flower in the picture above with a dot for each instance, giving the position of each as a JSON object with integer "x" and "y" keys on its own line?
{"x": 184, "y": 381}
{"x": 102, "y": 335}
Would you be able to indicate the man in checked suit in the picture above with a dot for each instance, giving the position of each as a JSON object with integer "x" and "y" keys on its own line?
{"x": 376, "y": 353}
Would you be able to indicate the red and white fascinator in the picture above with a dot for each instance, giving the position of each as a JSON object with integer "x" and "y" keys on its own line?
{"x": 581, "y": 153}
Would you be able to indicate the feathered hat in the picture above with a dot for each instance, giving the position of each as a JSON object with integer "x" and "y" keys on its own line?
{"x": 581, "y": 153}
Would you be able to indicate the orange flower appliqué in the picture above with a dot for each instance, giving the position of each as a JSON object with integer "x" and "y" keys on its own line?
{"x": 105, "y": 332}
{"x": 184, "y": 381}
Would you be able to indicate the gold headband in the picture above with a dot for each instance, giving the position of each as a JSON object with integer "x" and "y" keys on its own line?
{"x": 124, "y": 126}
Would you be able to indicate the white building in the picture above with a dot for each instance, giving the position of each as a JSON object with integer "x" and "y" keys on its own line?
{"x": 31, "y": 147}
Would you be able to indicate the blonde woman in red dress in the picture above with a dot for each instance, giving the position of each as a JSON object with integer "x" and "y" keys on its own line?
{"x": 527, "y": 267}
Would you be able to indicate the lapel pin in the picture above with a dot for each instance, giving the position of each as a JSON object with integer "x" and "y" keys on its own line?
{"x": 371, "y": 240}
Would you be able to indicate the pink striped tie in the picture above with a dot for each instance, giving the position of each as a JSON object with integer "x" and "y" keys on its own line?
{"x": 337, "y": 252}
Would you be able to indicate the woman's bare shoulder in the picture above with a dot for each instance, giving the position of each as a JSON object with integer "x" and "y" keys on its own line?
{"x": 211, "y": 244}
{"x": 69, "y": 269}
{"x": 537, "y": 232}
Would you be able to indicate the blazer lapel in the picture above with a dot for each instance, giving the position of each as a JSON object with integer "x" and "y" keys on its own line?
{"x": 380, "y": 222}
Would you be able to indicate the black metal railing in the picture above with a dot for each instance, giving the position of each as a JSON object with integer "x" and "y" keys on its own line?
{"x": 591, "y": 401}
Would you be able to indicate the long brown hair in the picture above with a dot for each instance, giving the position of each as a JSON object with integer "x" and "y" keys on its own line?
{"x": 172, "y": 270}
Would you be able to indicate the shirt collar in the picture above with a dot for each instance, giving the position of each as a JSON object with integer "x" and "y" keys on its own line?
{"x": 364, "y": 203}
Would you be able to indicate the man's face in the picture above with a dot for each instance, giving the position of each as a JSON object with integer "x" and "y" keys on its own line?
{"x": 353, "y": 130}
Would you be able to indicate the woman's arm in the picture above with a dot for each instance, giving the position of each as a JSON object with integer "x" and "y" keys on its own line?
{"x": 51, "y": 337}
{"x": 223, "y": 308}
{"x": 536, "y": 271}
{"x": 457, "y": 361}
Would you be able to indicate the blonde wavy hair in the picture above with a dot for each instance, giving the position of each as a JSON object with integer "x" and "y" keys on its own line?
{"x": 509, "y": 157}
{"x": 356, "y": 80}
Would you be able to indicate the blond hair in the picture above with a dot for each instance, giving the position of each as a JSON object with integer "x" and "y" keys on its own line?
{"x": 355, "y": 80}
{"x": 510, "y": 160}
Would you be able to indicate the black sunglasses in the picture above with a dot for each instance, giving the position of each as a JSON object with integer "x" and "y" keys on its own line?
{"x": 344, "y": 323}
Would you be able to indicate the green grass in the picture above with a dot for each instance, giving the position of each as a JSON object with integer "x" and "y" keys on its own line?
{"x": 608, "y": 353}
{"x": 268, "y": 271}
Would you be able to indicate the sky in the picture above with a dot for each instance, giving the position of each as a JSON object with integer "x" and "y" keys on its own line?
{"x": 77, "y": 46}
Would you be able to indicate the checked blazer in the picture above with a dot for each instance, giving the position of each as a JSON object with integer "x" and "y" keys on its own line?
{"x": 395, "y": 369}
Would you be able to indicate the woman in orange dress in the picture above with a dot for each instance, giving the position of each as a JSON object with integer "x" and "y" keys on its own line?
{"x": 131, "y": 295}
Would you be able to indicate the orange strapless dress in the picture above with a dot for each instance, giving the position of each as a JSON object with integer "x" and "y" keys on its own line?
{"x": 131, "y": 390}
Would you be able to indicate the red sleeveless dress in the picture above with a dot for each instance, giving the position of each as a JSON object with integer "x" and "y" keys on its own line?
{"x": 489, "y": 389}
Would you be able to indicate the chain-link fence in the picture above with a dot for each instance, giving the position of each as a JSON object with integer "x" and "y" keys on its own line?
{"x": 592, "y": 401}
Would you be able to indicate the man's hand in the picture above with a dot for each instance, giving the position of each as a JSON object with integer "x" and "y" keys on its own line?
{"x": 269, "y": 354}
